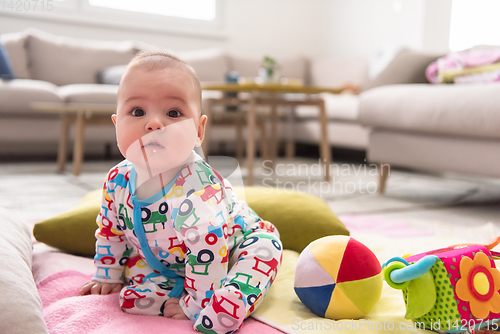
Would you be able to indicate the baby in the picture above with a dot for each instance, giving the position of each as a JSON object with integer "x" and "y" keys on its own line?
{"x": 172, "y": 237}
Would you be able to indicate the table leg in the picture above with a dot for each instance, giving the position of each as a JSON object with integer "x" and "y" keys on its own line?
{"x": 263, "y": 140}
{"x": 78, "y": 146}
{"x": 384, "y": 174}
{"x": 205, "y": 145}
{"x": 274, "y": 136}
{"x": 290, "y": 143}
{"x": 63, "y": 142}
{"x": 325, "y": 146}
{"x": 239, "y": 142}
{"x": 251, "y": 138}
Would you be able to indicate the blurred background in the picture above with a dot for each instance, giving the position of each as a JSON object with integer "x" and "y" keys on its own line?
{"x": 279, "y": 27}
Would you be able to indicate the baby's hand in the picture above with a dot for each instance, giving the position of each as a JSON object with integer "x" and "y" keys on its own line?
{"x": 173, "y": 310}
{"x": 98, "y": 288}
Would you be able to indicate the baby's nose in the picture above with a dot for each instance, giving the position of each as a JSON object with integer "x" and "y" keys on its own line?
{"x": 154, "y": 124}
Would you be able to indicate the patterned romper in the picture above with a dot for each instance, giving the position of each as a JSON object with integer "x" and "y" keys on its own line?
{"x": 193, "y": 240}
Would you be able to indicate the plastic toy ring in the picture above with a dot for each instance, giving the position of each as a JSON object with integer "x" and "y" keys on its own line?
{"x": 387, "y": 275}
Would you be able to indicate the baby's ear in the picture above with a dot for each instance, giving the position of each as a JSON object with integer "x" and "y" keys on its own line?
{"x": 201, "y": 130}
{"x": 113, "y": 118}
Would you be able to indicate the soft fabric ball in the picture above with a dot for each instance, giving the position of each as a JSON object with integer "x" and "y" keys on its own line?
{"x": 338, "y": 277}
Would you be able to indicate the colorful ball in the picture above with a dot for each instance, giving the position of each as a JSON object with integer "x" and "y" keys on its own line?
{"x": 338, "y": 277}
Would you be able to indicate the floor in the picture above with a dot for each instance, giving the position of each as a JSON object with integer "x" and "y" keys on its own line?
{"x": 36, "y": 191}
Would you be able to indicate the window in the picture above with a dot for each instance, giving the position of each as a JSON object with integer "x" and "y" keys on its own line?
{"x": 197, "y": 18}
{"x": 474, "y": 23}
{"x": 188, "y": 9}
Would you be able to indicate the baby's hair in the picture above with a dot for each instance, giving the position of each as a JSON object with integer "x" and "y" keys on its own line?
{"x": 158, "y": 60}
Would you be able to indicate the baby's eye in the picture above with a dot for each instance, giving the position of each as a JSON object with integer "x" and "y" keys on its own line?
{"x": 138, "y": 112}
{"x": 174, "y": 113}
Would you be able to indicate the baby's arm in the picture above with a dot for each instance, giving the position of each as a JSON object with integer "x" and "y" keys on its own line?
{"x": 111, "y": 246}
{"x": 98, "y": 288}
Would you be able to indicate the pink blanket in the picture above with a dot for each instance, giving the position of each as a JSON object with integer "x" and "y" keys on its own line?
{"x": 64, "y": 312}
{"x": 373, "y": 224}
{"x": 460, "y": 60}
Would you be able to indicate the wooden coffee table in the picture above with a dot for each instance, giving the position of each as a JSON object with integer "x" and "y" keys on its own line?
{"x": 81, "y": 115}
{"x": 273, "y": 97}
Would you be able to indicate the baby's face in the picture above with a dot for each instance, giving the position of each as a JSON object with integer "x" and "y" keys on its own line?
{"x": 158, "y": 119}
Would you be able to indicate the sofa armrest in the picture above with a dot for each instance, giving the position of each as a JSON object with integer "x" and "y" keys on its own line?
{"x": 461, "y": 110}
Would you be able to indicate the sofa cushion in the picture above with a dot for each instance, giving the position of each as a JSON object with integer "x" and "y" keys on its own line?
{"x": 343, "y": 107}
{"x": 17, "y": 95}
{"x": 295, "y": 67}
{"x": 209, "y": 65}
{"x": 407, "y": 67}
{"x": 463, "y": 110}
{"x": 340, "y": 134}
{"x": 15, "y": 45}
{"x": 64, "y": 60}
{"x": 143, "y": 46}
{"x": 88, "y": 93}
{"x": 111, "y": 75}
{"x": 337, "y": 71}
{"x": 422, "y": 151}
{"x": 20, "y": 305}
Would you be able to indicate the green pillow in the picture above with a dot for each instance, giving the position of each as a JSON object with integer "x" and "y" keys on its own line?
{"x": 73, "y": 231}
{"x": 300, "y": 219}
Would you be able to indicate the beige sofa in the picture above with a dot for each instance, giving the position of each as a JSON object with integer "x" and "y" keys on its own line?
{"x": 453, "y": 127}
{"x": 50, "y": 68}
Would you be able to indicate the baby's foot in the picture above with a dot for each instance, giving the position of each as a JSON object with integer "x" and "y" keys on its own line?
{"x": 173, "y": 310}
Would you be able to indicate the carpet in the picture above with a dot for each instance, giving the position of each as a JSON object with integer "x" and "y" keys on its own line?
{"x": 386, "y": 238}
{"x": 65, "y": 312}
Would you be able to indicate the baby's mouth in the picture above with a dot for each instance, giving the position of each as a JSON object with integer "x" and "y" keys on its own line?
{"x": 154, "y": 145}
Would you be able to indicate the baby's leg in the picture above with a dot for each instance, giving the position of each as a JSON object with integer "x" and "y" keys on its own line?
{"x": 253, "y": 267}
{"x": 146, "y": 291}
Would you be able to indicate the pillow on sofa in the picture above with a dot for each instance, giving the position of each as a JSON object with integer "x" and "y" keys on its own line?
{"x": 5, "y": 69}
{"x": 65, "y": 60}
{"x": 15, "y": 45}
{"x": 20, "y": 304}
{"x": 407, "y": 67}
{"x": 111, "y": 75}
{"x": 209, "y": 65}
{"x": 300, "y": 219}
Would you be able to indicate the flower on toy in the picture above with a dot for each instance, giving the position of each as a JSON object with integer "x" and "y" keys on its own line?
{"x": 479, "y": 285}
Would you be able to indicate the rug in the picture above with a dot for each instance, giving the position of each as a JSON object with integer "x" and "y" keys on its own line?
{"x": 65, "y": 312}
{"x": 375, "y": 224}
{"x": 283, "y": 309}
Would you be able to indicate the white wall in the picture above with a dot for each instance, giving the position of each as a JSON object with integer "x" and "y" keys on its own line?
{"x": 291, "y": 27}
{"x": 436, "y": 34}
{"x": 361, "y": 27}
{"x": 276, "y": 27}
